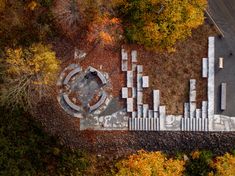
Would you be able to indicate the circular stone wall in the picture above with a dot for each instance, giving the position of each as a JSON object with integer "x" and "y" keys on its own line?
{"x": 82, "y": 92}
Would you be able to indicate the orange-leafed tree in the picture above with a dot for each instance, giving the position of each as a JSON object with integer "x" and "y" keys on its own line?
{"x": 159, "y": 24}
{"x": 105, "y": 30}
{"x": 150, "y": 163}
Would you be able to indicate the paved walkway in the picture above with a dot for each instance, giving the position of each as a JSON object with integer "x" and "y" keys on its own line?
{"x": 223, "y": 13}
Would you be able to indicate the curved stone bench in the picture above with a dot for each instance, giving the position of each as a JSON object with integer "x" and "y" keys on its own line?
{"x": 99, "y": 74}
{"x": 70, "y": 103}
{"x": 71, "y": 74}
{"x": 99, "y": 103}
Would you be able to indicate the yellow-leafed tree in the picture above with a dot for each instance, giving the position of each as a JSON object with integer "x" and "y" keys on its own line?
{"x": 27, "y": 72}
{"x": 158, "y": 24}
{"x": 224, "y": 165}
{"x": 150, "y": 163}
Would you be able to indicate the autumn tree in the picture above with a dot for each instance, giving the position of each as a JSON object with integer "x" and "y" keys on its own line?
{"x": 73, "y": 16}
{"x": 158, "y": 24}
{"x": 27, "y": 74}
{"x": 150, "y": 163}
{"x": 223, "y": 165}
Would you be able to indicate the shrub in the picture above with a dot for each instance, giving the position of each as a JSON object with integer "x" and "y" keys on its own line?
{"x": 152, "y": 163}
{"x": 224, "y": 165}
{"x": 28, "y": 71}
{"x": 158, "y": 24}
{"x": 199, "y": 163}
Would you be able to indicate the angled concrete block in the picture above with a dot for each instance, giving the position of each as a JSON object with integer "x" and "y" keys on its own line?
{"x": 156, "y": 100}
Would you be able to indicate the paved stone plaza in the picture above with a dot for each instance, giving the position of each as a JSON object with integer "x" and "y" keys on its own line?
{"x": 85, "y": 94}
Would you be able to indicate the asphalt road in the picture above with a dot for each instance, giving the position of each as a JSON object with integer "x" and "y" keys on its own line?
{"x": 223, "y": 13}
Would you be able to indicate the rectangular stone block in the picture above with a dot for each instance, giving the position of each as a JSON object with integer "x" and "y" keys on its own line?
{"x": 134, "y": 67}
{"x": 223, "y": 96}
{"x": 151, "y": 124}
{"x": 199, "y": 124}
{"x": 130, "y": 123}
{"x": 198, "y": 113}
{"x": 155, "y": 114}
{"x": 204, "y": 109}
{"x": 134, "y": 92}
{"x": 192, "y": 83}
{"x": 145, "y": 81}
{"x": 139, "y": 68}
{"x": 124, "y": 92}
{"x": 140, "y": 124}
{"x": 139, "y": 111}
{"x": 192, "y": 107}
{"x": 137, "y": 124}
{"x": 157, "y": 124}
{"x": 124, "y": 65}
{"x": 211, "y": 77}
{"x": 130, "y": 105}
{"x": 156, "y": 100}
{"x": 134, "y": 114}
{"x": 182, "y": 124}
{"x": 130, "y": 79}
{"x": 186, "y": 110}
{"x": 139, "y": 98}
{"x": 206, "y": 124}
{"x": 145, "y": 110}
{"x": 162, "y": 117}
{"x": 134, "y": 56}
{"x": 150, "y": 113}
{"x": 139, "y": 82}
{"x": 124, "y": 54}
{"x": 204, "y": 67}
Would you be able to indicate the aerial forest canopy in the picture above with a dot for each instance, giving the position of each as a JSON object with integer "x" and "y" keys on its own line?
{"x": 158, "y": 24}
